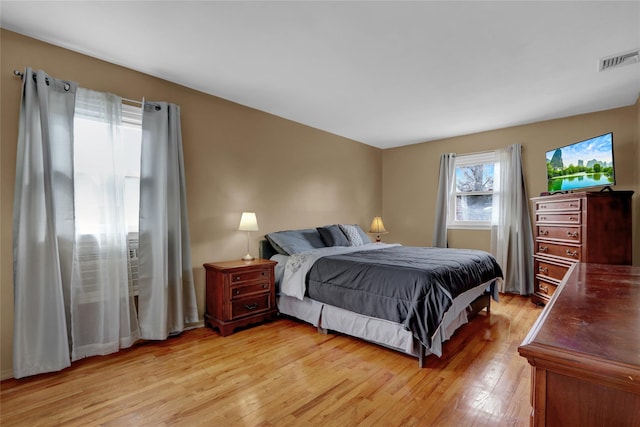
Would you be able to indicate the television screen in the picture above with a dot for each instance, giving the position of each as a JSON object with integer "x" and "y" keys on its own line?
{"x": 584, "y": 164}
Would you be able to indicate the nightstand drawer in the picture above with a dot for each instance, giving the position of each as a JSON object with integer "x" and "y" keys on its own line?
{"x": 246, "y": 306}
{"x": 253, "y": 288}
{"x": 246, "y": 276}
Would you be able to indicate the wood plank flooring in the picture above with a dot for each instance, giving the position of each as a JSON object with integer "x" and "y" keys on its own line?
{"x": 285, "y": 373}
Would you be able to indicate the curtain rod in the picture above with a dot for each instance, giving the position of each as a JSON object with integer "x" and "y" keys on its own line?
{"x": 20, "y": 74}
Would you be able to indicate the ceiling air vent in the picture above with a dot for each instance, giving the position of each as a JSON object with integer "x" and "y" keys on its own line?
{"x": 615, "y": 61}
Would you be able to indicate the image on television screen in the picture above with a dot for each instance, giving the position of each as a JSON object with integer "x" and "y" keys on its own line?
{"x": 584, "y": 164}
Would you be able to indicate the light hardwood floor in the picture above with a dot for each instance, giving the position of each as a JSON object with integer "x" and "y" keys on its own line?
{"x": 284, "y": 373}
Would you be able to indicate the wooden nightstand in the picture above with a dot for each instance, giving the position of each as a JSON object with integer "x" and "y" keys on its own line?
{"x": 239, "y": 293}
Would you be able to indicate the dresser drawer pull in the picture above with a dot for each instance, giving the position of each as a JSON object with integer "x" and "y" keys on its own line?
{"x": 573, "y": 254}
{"x": 573, "y": 205}
{"x": 544, "y": 270}
{"x": 236, "y": 278}
{"x": 543, "y": 249}
{"x": 543, "y": 206}
{"x": 265, "y": 286}
{"x": 573, "y": 218}
{"x": 543, "y": 218}
{"x": 544, "y": 232}
{"x": 237, "y": 291}
{"x": 251, "y": 306}
{"x": 572, "y": 233}
{"x": 264, "y": 273}
{"x": 544, "y": 289}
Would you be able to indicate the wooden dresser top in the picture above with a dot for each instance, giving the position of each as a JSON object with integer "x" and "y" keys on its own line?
{"x": 594, "y": 316}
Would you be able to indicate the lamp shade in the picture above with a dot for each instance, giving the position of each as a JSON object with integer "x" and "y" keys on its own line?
{"x": 377, "y": 227}
{"x": 248, "y": 222}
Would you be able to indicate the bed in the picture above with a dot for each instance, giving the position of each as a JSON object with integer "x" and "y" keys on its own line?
{"x": 410, "y": 299}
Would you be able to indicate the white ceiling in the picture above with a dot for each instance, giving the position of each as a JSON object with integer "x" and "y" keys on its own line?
{"x": 385, "y": 73}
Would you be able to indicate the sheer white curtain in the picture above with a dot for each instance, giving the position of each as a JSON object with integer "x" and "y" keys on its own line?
{"x": 446, "y": 183}
{"x": 511, "y": 232}
{"x": 102, "y": 307}
{"x": 43, "y": 226}
{"x": 167, "y": 299}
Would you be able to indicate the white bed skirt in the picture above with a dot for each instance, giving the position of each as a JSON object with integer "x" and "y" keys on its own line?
{"x": 379, "y": 331}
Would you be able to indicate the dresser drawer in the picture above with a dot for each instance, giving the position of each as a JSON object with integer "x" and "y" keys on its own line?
{"x": 570, "y": 252}
{"x": 550, "y": 269}
{"x": 566, "y": 233}
{"x": 558, "y": 218}
{"x": 545, "y": 286}
{"x": 248, "y": 306}
{"x": 559, "y": 205}
{"x": 248, "y": 289}
{"x": 246, "y": 276}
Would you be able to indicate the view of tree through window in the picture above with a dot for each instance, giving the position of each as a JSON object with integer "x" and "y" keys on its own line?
{"x": 472, "y": 201}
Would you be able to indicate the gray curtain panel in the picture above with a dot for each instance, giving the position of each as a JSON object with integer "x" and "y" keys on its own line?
{"x": 167, "y": 300}
{"x": 511, "y": 231}
{"x": 43, "y": 225}
{"x": 446, "y": 182}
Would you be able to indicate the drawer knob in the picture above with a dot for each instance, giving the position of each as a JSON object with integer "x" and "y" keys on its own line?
{"x": 572, "y": 254}
{"x": 236, "y": 278}
{"x": 264, "y": 273}
{"x": 251, "y": 306}
{"x": 265, "y": 286}
{"x": 544, "y": 232}
{"x": 237, "y": 291}
{"x": 544, "y": 270}
{"x": 544, "y": 289}
{"x": 572, "y": 233}
{"x": 543, "y": 249}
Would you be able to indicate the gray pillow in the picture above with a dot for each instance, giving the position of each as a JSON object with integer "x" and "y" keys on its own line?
{"x": 291, "y": 242}
{"x": 332, "y": 235}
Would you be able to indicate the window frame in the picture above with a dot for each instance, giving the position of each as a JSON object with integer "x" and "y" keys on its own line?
{"x": 488, "y": 157}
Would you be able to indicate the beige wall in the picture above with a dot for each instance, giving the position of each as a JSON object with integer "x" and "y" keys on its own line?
{"x": 236, "y": 159}
{"x": 410, "y": 174}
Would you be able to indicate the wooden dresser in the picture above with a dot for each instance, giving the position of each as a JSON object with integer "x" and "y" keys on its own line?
{"x": 584, "y": 350}
{"x": 239, "y": 293}
{"x": 590, "y": 227}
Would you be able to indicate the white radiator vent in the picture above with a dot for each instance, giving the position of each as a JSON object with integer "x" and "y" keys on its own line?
{"x": 619, "y": 60}
{"x": 91, "y": 257}
{"x": 132, "y": 264}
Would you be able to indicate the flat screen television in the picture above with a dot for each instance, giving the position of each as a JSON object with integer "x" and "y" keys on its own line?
{"x": 580, "y": 165}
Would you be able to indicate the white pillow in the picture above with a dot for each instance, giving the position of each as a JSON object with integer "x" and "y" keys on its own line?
{"x": 351, "y": 231}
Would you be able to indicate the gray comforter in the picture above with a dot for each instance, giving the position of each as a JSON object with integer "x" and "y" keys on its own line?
{"x": 413, "y": 286}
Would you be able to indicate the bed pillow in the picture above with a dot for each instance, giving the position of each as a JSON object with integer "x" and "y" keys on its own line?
{"x": 291, "y": 242}
{"x": 355, "y": 234}
{"x": 364, "y": 236}
{"x": 332, "y": 235}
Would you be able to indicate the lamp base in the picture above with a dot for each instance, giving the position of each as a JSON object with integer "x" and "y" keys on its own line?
{"x": 248, "y": 257}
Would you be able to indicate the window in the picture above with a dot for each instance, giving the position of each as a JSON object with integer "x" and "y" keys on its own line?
{"x": 471, "y": 200}
{"x": 90, "y": 162}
